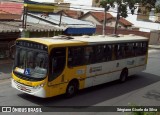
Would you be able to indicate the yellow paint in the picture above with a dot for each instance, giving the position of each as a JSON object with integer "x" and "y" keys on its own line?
{"x": 39, "y": 7}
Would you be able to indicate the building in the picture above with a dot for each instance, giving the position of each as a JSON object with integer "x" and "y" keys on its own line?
{"x": 98, "y": 19}
{"x": 11, "y": 30}
{"x": 154, "y": 37}
{"x": 10, "y": 10}
{"x": 71, "y": 13}
{"x": 71, "y": 26}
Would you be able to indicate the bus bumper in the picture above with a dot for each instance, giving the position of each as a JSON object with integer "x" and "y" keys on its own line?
{"x": 35, "y": 91}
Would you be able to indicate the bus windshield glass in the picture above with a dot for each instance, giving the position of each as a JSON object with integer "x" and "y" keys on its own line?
{"x": 30, "y": 63}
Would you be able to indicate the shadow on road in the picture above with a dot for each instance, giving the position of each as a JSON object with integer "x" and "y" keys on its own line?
{"x": 97, "y": 94}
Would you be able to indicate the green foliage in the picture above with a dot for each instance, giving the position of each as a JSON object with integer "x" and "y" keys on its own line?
{"x": 148, "y": 4}
{"x": 122, "y": 6}
{"x": 157, "y": 7}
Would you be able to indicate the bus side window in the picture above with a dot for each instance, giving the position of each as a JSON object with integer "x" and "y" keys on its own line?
{"x": 75, "y": 56}
{"x": 144, "y": 48}
{"x": 89, "y": 54}
{"x": 108, "y": 52}
{"x": 139, "y": 48}
{"x": 117, "y": 51}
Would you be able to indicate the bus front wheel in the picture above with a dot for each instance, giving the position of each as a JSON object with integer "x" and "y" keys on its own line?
{"x": 124, "y": 75}
{"x": 71, "y": 89}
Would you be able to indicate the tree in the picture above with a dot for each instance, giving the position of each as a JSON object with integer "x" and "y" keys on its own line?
{"x": 157, "y": 7}
{"x": 106, "y": 4}
{"x": 122, "y": 6}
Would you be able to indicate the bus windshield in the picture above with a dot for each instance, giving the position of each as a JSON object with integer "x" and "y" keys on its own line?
{"x": 31, "y": 63}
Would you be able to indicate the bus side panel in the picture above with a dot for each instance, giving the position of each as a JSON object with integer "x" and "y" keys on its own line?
{"x": 101, "y": 73}
{"x": 109, "y": 71}
{"x": 140, "y": 65}
{"x": 78, "y": 73}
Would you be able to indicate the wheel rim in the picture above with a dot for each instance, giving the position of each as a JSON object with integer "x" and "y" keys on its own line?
{"x": 71, "y": 89}
{"x": 124, "y": 77}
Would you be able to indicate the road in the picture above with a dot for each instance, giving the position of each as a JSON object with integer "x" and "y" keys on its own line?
{"x": 140, "y": 89}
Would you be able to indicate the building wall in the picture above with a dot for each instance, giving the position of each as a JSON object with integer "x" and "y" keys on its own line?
{"x": 110, "y": 30}
{"x": 154, "y": 38}
{"x": 6, "y": 45}
{"x": 10, "y": 17}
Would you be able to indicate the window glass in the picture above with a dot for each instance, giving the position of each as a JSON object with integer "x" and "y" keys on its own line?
{"x": 89, "y": 54}
{"x": 119, "y": 51}
{"x": 108, "y": 52}
{"x": 31, "y": 63}
{"x": 144, "y": 48}
{"x": 57, "y": 62}
{"x": 75, "y": 56}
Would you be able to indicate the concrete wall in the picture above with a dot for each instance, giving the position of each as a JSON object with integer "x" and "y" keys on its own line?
{"x": 110, "y": 30}
{"x": 154, "y": 38}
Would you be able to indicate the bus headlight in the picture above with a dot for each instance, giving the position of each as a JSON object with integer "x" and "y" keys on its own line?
{"x": 39, "y": 86}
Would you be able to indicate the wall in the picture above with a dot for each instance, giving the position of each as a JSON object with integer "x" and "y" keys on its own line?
{"x": 110, "y": 30}
{"x": 6, "y": 46}
{"x": 154, "y": 38}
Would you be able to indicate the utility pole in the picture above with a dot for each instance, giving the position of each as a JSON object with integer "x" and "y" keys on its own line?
{"x": 104, "y": 22}
{"x": 60, "y": 19}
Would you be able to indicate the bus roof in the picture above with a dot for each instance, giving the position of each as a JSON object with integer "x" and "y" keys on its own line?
{"x": 83, "y": 40}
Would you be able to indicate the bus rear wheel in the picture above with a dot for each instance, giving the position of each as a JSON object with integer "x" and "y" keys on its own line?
{"x": 71, "y": 89}
{"x": 124, "y": 75}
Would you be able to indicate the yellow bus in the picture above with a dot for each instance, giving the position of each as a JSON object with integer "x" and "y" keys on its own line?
{"x": 46, "y": 67}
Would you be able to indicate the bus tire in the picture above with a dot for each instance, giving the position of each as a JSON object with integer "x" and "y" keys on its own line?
{"x": 124, "y": 75}
{"x": 72, "y": 89}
